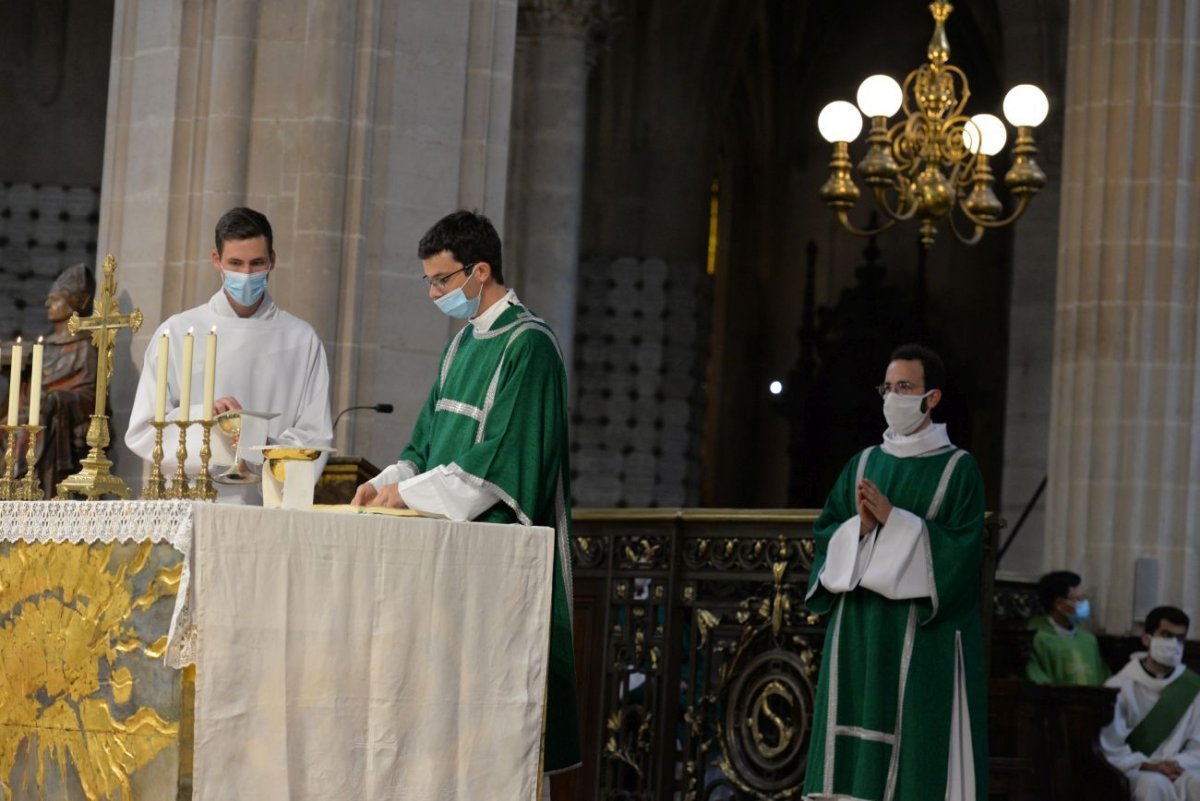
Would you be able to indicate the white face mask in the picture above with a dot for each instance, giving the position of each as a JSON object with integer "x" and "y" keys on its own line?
{"x": 903, "y": 412}
{"x": 1166, "y": 651}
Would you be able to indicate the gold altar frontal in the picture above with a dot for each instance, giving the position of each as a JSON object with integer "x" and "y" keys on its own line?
{"x": 88, "y": 709}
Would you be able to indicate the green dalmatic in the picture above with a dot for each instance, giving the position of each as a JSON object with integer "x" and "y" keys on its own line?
{"x": 497, "y": 417}
{"x": 900, "y": 712}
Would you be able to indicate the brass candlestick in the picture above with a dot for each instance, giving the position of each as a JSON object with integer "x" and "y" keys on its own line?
{"x": 204, "y": 489}
{"x": 179, "y": 488}
{"x": 156, "y": 485}
{"x": 8, "y": 483}
{"x": 31, "y": 488}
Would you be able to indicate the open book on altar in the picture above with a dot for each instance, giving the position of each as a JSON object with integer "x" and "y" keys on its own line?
{"x": 364, "y": 510}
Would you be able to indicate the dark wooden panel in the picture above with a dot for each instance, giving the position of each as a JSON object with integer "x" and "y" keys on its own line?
{"x": 589, "y": 672}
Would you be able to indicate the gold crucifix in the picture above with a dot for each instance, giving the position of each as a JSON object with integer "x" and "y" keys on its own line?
{"x": 95, "y": 480}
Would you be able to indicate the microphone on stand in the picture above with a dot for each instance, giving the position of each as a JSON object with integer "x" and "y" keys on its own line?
{"x": 382, "y": 408}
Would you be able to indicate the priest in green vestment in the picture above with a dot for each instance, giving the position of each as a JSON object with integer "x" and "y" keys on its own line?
{"x": 1154, "y": 737}
{"x": 900, "y": 708}
{"x": 491, "y": 442}
{"x": 1064, "y": 652}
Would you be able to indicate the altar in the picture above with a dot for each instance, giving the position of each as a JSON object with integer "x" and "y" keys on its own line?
{"x": 336, "y": 655}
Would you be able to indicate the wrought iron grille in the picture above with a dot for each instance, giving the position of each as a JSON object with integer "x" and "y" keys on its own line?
{"x": 706, "y": 666}
{"x": 697, "y": 660}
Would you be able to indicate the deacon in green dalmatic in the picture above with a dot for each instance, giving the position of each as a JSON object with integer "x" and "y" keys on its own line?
{"x": 491, "y": 442}
{"x": 900, "y": 711}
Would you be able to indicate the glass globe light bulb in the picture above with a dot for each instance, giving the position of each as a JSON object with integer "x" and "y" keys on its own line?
{"x": 879, "y": 96}
{"x": 839, "y": 122}
{"x": 986, "y": 133}
{"x": 1025, "y": 104}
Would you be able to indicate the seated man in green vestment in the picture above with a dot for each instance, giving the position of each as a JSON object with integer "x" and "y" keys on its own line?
{"x": 1154, "y": 736}
{"x": 491, "y": 442}
{"x": 1064, "y": 652}
{"x": 900, "y": 707}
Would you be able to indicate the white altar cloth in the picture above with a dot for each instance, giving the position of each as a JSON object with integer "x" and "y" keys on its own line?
{"x": 367, "y": 657}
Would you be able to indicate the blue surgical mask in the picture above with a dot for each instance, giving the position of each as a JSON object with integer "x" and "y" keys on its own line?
{"x": 1083, "y": 610}
{"x": 456, "y": 304}
{"x": 246, "y": 289}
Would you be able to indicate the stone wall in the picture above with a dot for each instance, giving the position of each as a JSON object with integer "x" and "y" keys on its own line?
{"x": 640, "y": 353}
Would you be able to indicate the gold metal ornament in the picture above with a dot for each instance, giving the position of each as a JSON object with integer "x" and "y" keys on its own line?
{"x": 75, "y": 646}
{"x": 156, "y": 486}
{"x": 31, "y": 487}
{"x": 95, "y": 479}
{"x": 933, "y": 165}
{"x": 180, "y": 488}
{"x": 767, "y": 695}
{"x": 8, "y": 482}
{"x": 204, "y": 489}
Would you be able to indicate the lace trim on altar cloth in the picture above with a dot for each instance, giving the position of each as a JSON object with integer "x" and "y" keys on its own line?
{"x": 116, "y": 521}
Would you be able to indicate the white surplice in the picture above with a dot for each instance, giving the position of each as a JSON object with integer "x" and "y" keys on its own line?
{"x": 895, "y": 566}
{"x": 1139, "y": 692}
{"x": 271, "y": 361}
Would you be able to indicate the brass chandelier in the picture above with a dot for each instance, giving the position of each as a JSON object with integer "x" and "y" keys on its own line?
{"x": 935, "y": 159}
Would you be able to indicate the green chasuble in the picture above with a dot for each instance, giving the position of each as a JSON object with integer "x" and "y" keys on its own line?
{"x": 1059, "y": 659}
{"x": 497, "y": 417}
{"x": 901, "y": 680}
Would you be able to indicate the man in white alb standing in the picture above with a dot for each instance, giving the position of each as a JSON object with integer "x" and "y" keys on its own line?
{"x": 267, "y": 359}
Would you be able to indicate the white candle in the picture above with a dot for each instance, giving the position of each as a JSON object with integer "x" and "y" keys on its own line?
{"x": 35, "y": 384}
{"x": 210, "y": 372}
{"x": 185, "y": 378}
{"x": 14, "y": 386}
{"x": 160, "y": 387}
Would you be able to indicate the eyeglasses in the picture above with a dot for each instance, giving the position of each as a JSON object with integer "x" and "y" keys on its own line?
{"x": 439, "y": 281}
{"x": 900, "y": 388}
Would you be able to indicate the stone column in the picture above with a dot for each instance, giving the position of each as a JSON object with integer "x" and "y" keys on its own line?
{"x": 1035, "y": 51}
{"x": 1125, "y": 414}
{"x": 545, "y": 188}
{"x": 352, "y": 125}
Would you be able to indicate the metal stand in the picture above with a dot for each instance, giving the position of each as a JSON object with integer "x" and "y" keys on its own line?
{"x": 180, "y": 488}
{"x": 8, "y": 482}
{"x": 156, "y": 485}
{"x": 31, "y": 487}
{"x": 204, "y": 489}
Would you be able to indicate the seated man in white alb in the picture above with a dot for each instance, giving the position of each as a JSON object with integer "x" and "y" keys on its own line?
{"x": 1155, "y": 733}
{"x": 267, "y": 360}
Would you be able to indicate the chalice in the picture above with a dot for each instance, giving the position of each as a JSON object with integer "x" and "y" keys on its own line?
{"x": 229, "y": 425}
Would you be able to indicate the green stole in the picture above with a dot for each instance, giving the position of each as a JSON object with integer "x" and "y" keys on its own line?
{"x": 497, "y": 418}
{"x": 1170, "y": 708}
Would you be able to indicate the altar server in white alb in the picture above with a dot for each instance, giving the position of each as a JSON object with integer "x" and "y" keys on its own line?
{"x": 267, "y": 360}
{"x": 1154, "y": 736}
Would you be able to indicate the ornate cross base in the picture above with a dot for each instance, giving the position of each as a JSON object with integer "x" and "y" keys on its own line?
{"x": 94, "y": 481}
